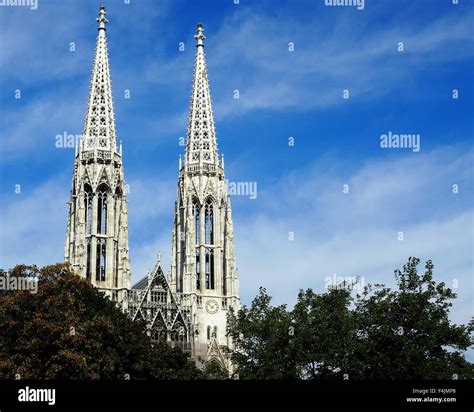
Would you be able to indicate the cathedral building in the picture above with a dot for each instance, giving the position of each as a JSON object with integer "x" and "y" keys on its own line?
{"x": 188, "y": 306}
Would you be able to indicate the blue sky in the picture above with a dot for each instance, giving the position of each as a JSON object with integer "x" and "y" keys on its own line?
{"x": 282, "y": 93}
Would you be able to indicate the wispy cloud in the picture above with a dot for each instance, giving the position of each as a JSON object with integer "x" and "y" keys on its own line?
{"x": 247, "y": 50}
{"x": 250, "y": 52}
{"x": 34, "y": 223}
{"x": 357, "y": 233}
{"x": 35, "y": 125}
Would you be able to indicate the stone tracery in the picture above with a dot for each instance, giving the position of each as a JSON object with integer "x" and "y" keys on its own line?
{"x": 188, "y": 307}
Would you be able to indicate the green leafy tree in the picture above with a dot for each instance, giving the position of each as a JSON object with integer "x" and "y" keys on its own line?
{"x": 69, "y": 330}
{"x": 214, "y": 371}
{"x": 323, "y": 332}
{"x": 406, "y": 333}
{"x": 263, "y": 348}
{"x": 380, "y": 334}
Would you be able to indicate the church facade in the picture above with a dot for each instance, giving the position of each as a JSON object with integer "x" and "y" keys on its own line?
{"x": 187, "y": 306}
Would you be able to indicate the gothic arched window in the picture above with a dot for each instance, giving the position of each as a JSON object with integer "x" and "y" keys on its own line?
{"x": 116, "y": 201}
{"x": 206, "y": 267}
{"x": 88, "y": 223}
{"x": 208, "y": 333}
{"x": 211, "y": 263}
{"x": 88, "y": 259}
{"x": 101, "y": 259}
{"x": 198, "y": 270}
{"x": 88, "y": 208}
{"x": 197, "y": 239}
{"x": 102, "y": 210}
{"x": 197, "y": 226}
{"x": 209, "y": 223}
{"x": 209, "y": 269}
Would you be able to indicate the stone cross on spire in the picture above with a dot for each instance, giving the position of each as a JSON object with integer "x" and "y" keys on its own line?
{"x": 101, "y": 19}
{"x": 199, "y": 36}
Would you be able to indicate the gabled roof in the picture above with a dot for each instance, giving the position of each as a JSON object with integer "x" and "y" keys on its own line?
{"x": 174, "y": 318}
{"x": 141, "y": 284}
{"x": 214, "y": 354}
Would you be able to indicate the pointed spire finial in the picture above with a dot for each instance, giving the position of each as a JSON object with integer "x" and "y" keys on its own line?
{"x": 101, "y": 19}
{"x": 159, "y": 258}
{"x": 200, "y": 35}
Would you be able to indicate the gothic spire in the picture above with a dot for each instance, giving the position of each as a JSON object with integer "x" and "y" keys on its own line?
{"x": 99, "y": 125}
{"x": 97, "y": 229}
{"x": 201, "y": 145}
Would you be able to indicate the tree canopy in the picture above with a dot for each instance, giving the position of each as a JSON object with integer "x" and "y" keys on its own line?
{"x": 70, "y": 330}
{"x": 378, "y": 334}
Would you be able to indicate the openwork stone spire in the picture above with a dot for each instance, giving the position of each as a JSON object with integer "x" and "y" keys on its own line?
{"x": 97, "y": 230}
{"x": 203, "y": 268}
{"x": 201, "y": 146}
{"x": 99, "y": 126}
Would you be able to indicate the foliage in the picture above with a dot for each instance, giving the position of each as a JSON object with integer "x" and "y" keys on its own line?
{"x": 378, "y": 334}
{"x": 407, "y": 333}
{"x": 69, "y": 330}
{"x": 261, "y": 335}
{"x": 323, "y": 337}
{"x": 214, "y": 371}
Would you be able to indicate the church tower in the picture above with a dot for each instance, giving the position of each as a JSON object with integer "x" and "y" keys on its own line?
{"x": 97, "y": 229}
{"x": 203, "y": 268}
